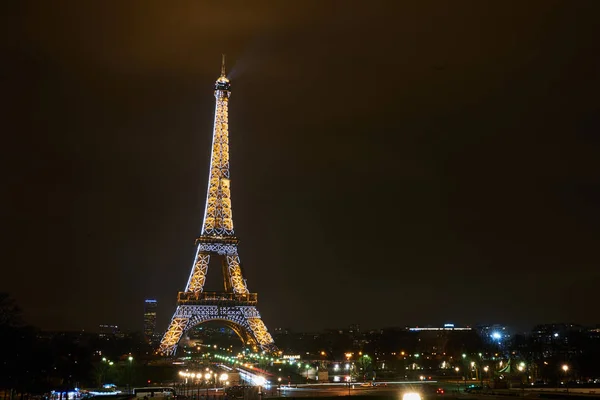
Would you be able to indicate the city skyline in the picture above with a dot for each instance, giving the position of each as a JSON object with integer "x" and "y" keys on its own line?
{"x": 382, "y": 174}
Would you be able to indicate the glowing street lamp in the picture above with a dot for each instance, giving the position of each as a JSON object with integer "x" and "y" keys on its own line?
{"x": 260, "y": 381}
{"x": 457, "y": 380}
{"x": 565, "y": 368}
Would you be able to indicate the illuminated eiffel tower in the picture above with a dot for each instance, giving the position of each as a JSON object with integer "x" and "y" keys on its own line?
{"x": 235, "y": 307}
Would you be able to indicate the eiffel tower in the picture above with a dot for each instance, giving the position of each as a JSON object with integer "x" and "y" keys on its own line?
{"x": 235, "y": 307}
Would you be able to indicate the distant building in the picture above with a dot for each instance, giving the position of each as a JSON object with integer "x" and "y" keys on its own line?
{"x": 150, "y": 306}
{"x": 354, "y": 329}
{"x": 109, "y": 331}
{"x": 563, "y": 339}
{"x": 555, "y": 333}
{"x": 494, "y": 333}
{"x": 439, "y": 339}
{"x": 594, "y": 333}
{"x": 446, "y": 327}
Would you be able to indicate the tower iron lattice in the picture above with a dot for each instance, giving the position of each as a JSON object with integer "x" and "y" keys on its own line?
{"x": 235, "y": 307}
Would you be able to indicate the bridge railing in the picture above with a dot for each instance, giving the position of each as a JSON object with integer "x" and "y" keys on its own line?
{"x": 216, "y": 298}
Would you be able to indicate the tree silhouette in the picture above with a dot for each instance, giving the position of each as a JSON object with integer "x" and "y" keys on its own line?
{"x": 11, "y": 315}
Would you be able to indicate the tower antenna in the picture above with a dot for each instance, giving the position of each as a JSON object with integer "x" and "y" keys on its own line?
{"x": 222, "y": 64}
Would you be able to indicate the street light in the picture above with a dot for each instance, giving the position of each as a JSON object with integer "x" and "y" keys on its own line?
{"x": 260, "y": 381}
{"x": 224, "y": 377}
{"x": 457, "y": 380}
{"x": 521, "y": 368}
{"x": 565, "y": 368}
{"x": 207, "y": 377}
{"x": 130, "y": 358}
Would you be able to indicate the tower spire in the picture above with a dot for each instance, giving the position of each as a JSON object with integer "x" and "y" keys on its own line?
{"x": 222, "y": 84}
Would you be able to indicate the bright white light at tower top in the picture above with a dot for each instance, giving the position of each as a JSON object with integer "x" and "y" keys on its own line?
{"x": 496, "y": 335}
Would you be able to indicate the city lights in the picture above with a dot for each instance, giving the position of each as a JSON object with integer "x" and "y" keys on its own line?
{"x": 462, "y": 140}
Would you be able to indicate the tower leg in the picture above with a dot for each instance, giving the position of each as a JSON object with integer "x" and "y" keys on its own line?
{"x": 198, "y": 275}
{"x": 234, "y": 271}
{"x": 178, "y": 325}
{"x": 257, "y": 328}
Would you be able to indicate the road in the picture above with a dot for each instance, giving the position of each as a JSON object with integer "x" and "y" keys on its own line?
{"x": 395, "y": 390}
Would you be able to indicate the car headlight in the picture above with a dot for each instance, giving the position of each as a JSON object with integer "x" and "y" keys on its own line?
{"x": 411, "y": 396}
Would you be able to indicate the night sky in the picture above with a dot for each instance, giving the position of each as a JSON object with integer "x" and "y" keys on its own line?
{"x": 393, "y": 163}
